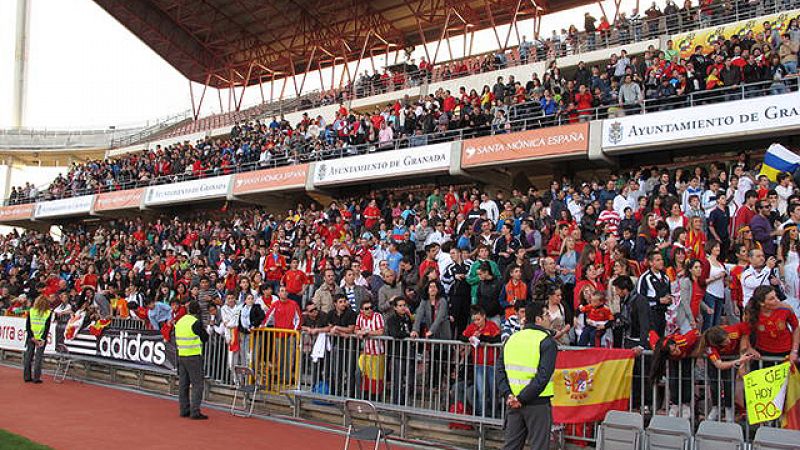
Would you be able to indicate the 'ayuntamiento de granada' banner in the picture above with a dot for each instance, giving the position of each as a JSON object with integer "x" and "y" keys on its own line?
{"x": 542, "y": 142}
{"x": 126, "y": 199}
{"x": 286, "y": 177}
{"x": 16, "y": 212}
{"x": 589, "y": 383}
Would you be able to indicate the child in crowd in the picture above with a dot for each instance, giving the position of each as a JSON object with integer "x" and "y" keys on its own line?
{"x": 598, "y": 316}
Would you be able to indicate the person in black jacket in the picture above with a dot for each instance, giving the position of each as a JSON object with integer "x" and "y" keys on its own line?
{"x": 488, "y": 294}
{"x": 635, "y": 321}
{"x": 398, "y": 326}
{"x": 654, "y": 286}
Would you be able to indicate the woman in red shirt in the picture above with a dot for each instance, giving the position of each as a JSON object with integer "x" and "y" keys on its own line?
{"x": 717, "y": 342}
{"x": 773, "y": 325}
{"x": 675, "y": 349}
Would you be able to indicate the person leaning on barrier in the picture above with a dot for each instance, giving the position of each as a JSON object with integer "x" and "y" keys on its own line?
{"x": 189, "y": 338}
{"x": 524, "y": 371}
{"x": 36, "y": 328}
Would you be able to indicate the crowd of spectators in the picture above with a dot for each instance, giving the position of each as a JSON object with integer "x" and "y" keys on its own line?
{"x": 756, "y": 64}
{"x": 644, "y": 259}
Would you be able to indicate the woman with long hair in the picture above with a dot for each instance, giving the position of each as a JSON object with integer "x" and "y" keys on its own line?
{"x": 692, "y": 290}
{"x": 674, "y": 351}
{"x": 718, "y": 342}
{"x": 559, "y": 322}
{"x": 36, "y": 329}
{"x": 774, "y": 328}
{"x": 789, "y": 257}
{"x": 715, "y": 274}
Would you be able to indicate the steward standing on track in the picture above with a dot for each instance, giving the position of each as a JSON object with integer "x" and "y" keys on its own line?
{"x": 524, "y": 370}
{"x": 36, "y": 328}
{"x": 189, "y": 338}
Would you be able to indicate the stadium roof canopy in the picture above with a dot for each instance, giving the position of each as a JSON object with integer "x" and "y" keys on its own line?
{"x": 225, "y": 43}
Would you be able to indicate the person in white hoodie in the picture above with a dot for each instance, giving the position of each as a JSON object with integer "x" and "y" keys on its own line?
{"x": 230, "y": 312}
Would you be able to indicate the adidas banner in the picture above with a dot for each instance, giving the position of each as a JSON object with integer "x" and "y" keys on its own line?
{"x": 145, "y": 348}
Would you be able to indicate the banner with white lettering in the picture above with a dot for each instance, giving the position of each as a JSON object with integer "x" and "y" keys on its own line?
{"x": 202, "y": 189}
{"x": 145, "y": 348}
{"x": 752, "y": 116}
{"x": 13, "y": 334}
{"x": 386, "y": 164}
{"x": 64, "y": 207}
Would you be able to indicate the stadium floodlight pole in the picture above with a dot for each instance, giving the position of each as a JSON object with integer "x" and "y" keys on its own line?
{"x": 21, "y": 62}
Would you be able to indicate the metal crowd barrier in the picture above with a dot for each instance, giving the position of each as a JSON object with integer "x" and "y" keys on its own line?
{"x": 274, "y": 356}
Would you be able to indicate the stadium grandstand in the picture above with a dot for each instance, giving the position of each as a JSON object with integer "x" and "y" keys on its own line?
{"x": 376, "y": 237}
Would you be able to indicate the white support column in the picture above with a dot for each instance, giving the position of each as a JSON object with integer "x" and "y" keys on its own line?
{"x": 21, "y": 62}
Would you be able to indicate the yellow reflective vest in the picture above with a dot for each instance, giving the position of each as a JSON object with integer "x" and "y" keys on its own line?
{"x": 38, "y": 320}
{"x": 188, "y": 343}
{"x": 521, "y": 360}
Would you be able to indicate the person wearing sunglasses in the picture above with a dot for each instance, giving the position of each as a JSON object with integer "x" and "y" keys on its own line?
{"x": 763, "y": 231}
{"x": 373, "y": 355}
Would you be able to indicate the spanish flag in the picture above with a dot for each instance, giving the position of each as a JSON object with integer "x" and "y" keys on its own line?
{"x": 589, "y": 383}
{"x": 779, "y": 159}
{"x": 791, "y": 406}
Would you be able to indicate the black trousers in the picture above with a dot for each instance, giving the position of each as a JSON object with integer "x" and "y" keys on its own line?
{"x": 190, "y": 377}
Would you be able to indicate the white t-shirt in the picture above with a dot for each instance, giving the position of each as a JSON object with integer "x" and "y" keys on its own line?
{"x": 717, "y": 287}
{"x": 783, "y": 196}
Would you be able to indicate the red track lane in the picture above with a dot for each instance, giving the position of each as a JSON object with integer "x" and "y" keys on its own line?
{"x": 83, "y": 417}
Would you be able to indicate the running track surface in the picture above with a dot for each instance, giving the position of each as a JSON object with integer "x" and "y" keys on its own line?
{"x": 84, "y": 417}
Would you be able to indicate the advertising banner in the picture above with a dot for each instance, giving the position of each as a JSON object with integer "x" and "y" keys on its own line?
{"x": 286, "y": 177}
{"x": 64, "y": 207}
{"x": 16, "y": 212}
{"x": 110, "y": 201}
{"x": 686, "y": 42}
{"x": 202, "y": 189}
{"x": 13, "y": 334}
{"x": 145, "y": 348}
{"x": 750, "y": 116}
{"x": 386, "y": 164}
{"x": 501, "y": 148}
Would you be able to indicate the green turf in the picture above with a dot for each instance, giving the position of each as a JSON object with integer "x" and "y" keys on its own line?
{"x": 10, "y": 441}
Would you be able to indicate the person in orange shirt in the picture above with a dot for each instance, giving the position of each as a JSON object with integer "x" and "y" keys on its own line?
{"x": 295, "y": 281}
{"x": 696, "y": 239}
{"x": 372, "y": 215}
{"x": 514, "y": 291}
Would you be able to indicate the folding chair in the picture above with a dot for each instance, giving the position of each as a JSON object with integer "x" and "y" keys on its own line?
{"x": 621, "y": 430}
{"x": 712, "y": 435}
{"x": 374, "y": 432}
{"x": 769, "y": 438}
{"x": 63, "y": 363}
{"x": 242, "y": 376}
{"x": 669, "y": 433}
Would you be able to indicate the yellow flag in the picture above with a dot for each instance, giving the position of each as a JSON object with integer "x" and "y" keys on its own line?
{"x": 764, "y": 393}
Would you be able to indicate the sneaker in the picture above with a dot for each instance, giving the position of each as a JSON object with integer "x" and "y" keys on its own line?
{"x": 37, "y": 381}
{"x": 673, "y": 411}
{"x": 200, "y": 416}
{"x": 184, "y": 414}
{"x": 713, "y": 414}
{"x": 686, "y": 412}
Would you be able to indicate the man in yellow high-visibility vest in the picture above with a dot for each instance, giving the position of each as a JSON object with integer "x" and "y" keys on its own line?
{"x": 189, "y": 338}
{"x": 524, "y": 377}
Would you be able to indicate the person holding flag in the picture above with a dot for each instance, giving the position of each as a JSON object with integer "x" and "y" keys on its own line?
{"x": 524, "y": 377}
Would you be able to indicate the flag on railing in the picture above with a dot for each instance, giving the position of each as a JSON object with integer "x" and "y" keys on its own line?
{"x": 589, "y": 383}
{"x": 779, "y": 159}
{"x": 791, "y": 406}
